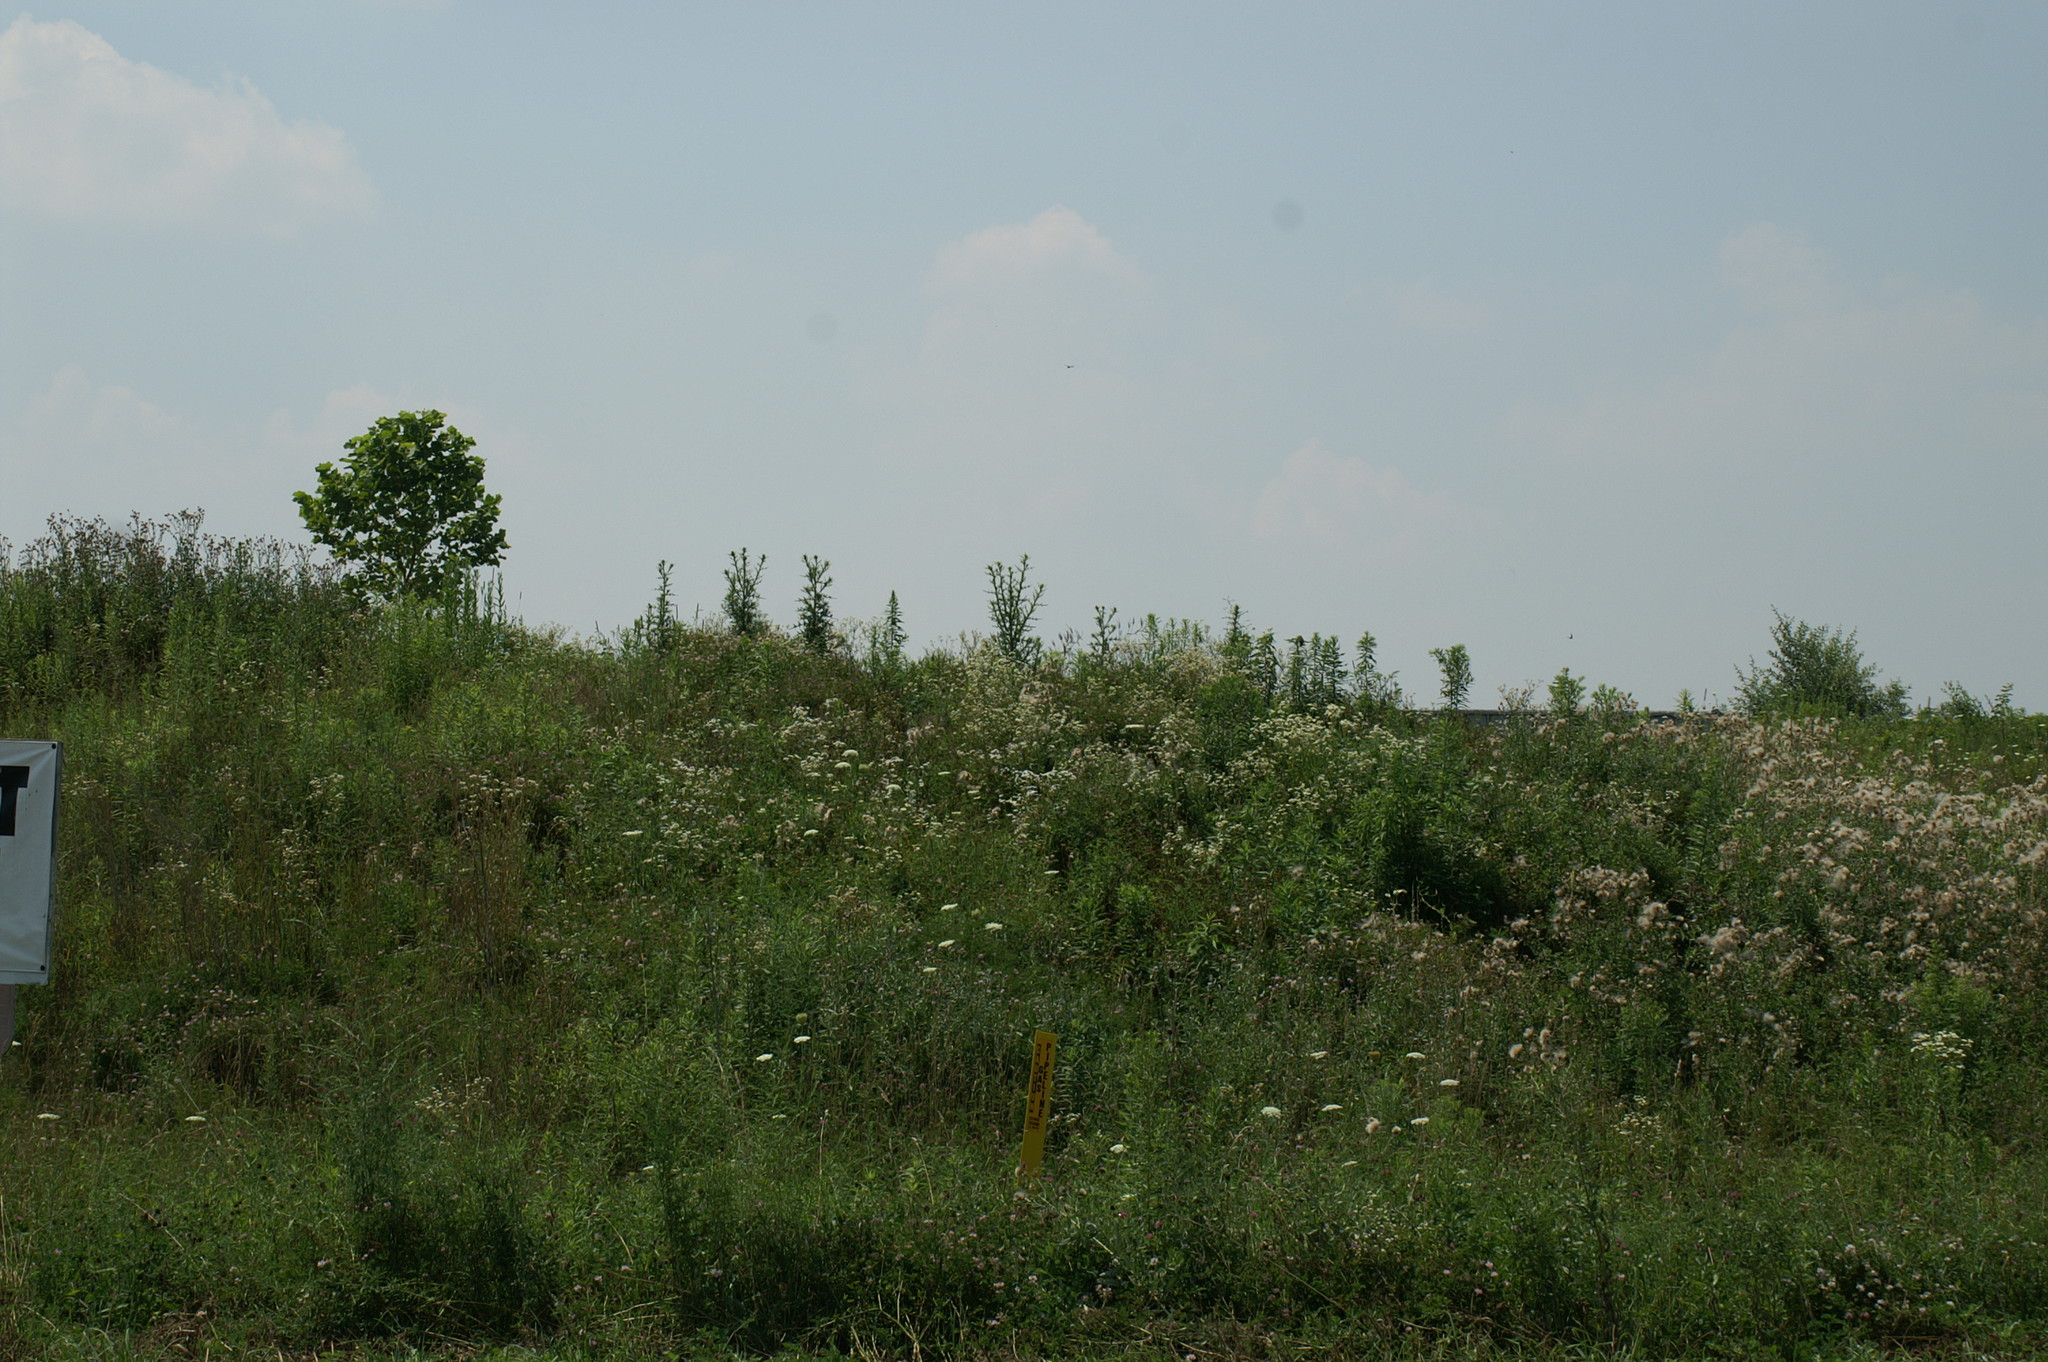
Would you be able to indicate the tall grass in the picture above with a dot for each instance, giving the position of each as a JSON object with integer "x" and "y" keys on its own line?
{"x": 676, "y": 994}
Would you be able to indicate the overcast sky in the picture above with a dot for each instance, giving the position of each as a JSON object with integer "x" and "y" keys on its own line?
{"x": 1583, "y": 335}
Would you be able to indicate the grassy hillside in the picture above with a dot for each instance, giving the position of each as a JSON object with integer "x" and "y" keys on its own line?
{"x": 426, "y": 980}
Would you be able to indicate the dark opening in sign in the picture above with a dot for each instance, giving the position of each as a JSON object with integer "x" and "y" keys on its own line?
{"x": 13, "y": 780}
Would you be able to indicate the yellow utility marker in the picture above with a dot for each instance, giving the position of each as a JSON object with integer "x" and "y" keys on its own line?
{"x": 1038, "y": 1101}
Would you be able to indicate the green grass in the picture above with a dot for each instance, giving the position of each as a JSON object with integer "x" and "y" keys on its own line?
{"x": 1586, "y": 1037}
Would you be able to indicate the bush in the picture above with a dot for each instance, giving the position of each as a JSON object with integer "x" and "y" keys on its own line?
{"x": 1816, "y": 670}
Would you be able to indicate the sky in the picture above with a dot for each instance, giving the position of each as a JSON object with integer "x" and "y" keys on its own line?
{"x": 1584, "y": 335}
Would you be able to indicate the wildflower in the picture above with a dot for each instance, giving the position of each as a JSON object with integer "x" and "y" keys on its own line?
{"x": 992, "y": 926}
{"x": 1118, "y": 1148}
{"x": 763, "y": 1059}
{"x": 1447, "y": 1083}
{"x": 1334, "y": 1106}
{"x": 1418, "y": 1120}
{"x": 1946, "y": 1048}
{"x": 1725, "y": 941}
{"x": 1270, "y": 1113}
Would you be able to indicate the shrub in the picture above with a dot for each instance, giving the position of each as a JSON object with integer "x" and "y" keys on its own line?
{"x": 1815, "y": 669}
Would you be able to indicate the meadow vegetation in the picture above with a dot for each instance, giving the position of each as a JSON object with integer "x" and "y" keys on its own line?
{"x": 429, "y": 980}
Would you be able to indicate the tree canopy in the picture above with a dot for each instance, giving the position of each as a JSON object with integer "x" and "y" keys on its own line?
{"x": 407, "y": 508}
{"x": 1816, "y": 669}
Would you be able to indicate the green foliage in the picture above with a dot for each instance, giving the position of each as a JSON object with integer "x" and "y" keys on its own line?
{"x": 407, "y": 511}
{"x": 886, "y": 649}
{"x": 1456, "y": 666}
{"x": 644, "y": 1000}
{"x": 1013, "y": 601}
{"x": 743, "y": 594}
{"x": 657, "y": 629}
{"x": 814, "y": 607}
{"x": 1567, "y": 693}
{"x": 1814, "y": 669}
{"x": 1958, "y": 703}
{"x": 1102, "y": 643}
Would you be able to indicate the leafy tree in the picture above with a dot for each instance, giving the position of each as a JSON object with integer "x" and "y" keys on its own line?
{"x": 1814, "y": 668}
{"x": 407, "y": 508}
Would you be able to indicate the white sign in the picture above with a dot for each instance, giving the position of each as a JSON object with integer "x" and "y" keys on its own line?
{"x": 28, "y": 858}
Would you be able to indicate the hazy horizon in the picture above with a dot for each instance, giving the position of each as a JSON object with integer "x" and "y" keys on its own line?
{"x": 1583, "y": 337}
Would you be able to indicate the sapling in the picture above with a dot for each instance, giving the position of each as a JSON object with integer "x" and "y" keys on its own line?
{"x": 814, "y": 607}
{"x": 1264, "y": 666}
{"x": 1103, "y": 642}
{"x": 1567, "y": 692}
{"x": 657, "y": 628}
{"x": 1456, "y": 665}
{"x": 1012, "y": 605}
{"x": 743, "y": 593}
{"x": 886, "y": 641}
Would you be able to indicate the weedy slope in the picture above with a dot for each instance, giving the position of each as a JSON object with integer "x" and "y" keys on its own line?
{"x": 428, "y": 980}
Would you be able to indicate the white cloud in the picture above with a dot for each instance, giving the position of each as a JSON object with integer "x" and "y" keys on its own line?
{"x": 1331, "y": 502}
{"x": 1822, "y": 379}
{"x": 102, "y": 449}
{"x": 1776, "y": 270}
{"x": 1031, "y": 296}
{"x": 1058, "y": 241}
{"x": 88, "y": 135}
{"x": 1868, "y": 453}
{"x": 1023, "y": 387}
